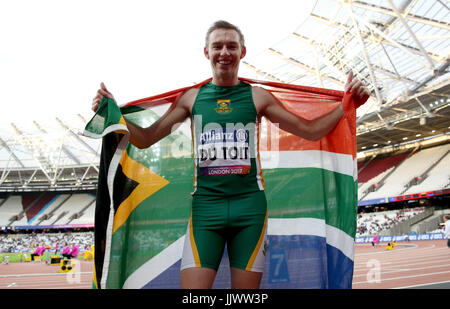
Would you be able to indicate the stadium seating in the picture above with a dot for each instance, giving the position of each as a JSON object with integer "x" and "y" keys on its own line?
{"x": 59, "y": 210}
{"x": 81, "y": 204}
{"x": 371, "y": 185}
{"x": 26, "y": 242}
{"x": 436, "y": 179}
{"x": 12, "y": 207}
{"x": 377, "y": 166}
{"x": 51, "y": 213}
{"x": 414, "y": 166}
{"x": 375, "y": 222}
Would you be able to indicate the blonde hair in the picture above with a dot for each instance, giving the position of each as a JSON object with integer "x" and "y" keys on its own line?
{"x": 222, "y": 24}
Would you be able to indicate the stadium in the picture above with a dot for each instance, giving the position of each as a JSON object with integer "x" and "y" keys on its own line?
{"x": 399, "y": 49}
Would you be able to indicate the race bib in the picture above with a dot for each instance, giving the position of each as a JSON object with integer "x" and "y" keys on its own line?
{"x": 224, "y": 152}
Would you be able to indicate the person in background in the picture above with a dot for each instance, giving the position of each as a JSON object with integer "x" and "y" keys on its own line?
{"x": 375, "y": 240}
{"x": 75, "y": 251}
{"x": 38, "y": 252}
{"x": 66, "y": 252}
{"x": 447, "y": 229}
{"x": 42, "y": 250}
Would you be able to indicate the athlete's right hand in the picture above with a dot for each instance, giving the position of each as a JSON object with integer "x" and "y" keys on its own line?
{"x": 102, "y": 92}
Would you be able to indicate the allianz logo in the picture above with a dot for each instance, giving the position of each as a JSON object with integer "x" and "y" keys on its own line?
{"x": 213, "y": 136}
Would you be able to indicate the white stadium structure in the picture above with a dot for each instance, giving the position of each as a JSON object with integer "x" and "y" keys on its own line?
{"x": 399, "y": 48}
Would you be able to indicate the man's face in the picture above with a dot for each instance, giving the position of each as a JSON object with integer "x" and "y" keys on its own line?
{"x": 224, "y": 52}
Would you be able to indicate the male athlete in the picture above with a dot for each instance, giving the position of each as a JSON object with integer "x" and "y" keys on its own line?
{"x": 229, "y": 204}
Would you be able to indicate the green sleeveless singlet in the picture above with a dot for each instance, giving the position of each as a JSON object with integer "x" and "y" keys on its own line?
{"x": 229, "y": 205}
{"x": 225, "y": 131}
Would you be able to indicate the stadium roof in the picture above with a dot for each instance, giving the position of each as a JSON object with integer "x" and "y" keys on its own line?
{"x": 399, "y": 48}
{"x": 51, "y": 156}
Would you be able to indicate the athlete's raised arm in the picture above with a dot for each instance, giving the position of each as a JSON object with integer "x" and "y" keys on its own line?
{"x": 145, "y": 137}
{"x": 271, "y": 108}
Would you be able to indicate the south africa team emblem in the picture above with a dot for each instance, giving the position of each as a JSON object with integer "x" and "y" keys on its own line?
{"x": 223, "y": 107}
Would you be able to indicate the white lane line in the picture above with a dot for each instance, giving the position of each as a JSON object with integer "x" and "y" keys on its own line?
{"x": 405, "y": 277}
{"x": 42, "y": 274}
{"x": 421, "y": 285}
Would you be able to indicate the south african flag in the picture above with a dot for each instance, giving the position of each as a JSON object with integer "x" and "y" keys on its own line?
{"x": 143, "y": 198}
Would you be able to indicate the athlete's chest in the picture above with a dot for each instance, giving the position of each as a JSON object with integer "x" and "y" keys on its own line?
{"x": 224, "y": 129}
{"x": 225, "y": 105}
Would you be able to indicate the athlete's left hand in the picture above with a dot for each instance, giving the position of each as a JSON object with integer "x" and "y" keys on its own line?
{"x": 102, "y": 92}
{"x": 357, "y": 88}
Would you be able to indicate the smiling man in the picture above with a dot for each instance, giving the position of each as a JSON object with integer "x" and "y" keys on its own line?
{"x": 229, "y": 205}
{"x": 224, "y": 47}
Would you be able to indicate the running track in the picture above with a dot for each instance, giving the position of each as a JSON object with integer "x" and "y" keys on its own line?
{"x": 419, "y": 264}
{"x": 38, "y": 275}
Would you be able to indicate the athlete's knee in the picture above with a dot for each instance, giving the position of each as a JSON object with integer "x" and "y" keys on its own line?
{"x": 197, "y": 278}
{"x": 244, "y": 279}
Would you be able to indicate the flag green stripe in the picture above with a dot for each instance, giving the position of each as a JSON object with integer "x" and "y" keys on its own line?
{"x": 312, "y": 193}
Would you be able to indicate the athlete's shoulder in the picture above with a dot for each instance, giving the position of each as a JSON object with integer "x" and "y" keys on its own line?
{"x": 259, "y": 90}
{"x": 190, "y": 93}
{"x": 262, "y": 98}
{"x": 187, "y": 98}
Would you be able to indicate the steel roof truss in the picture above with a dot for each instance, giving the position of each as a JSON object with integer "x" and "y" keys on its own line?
{"x": 366, "y": 58}
{"x": 390, "y": 39}
{"x": 12, "y": 154}
{"x": 411, "y": 33}
{"x": 411, "y": 17}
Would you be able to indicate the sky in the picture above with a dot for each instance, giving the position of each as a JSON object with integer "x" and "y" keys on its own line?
{"x": 54, "y": 54}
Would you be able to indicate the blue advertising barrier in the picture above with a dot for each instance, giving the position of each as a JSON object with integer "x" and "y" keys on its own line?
{"x": 410, "y": 237}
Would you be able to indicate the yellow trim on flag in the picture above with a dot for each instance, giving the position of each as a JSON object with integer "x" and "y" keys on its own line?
{"x": 149, "y": 183}
{"x": 122, "y": 121}
{"x": 94, "y": 277}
